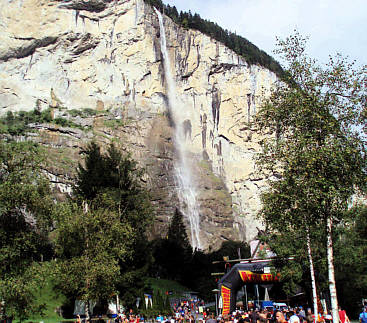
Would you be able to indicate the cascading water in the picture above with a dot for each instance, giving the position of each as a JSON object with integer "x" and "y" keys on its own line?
{"x": 187, "y": 190}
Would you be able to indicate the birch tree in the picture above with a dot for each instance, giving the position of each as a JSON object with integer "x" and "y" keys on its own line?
{"x": 316, "y": 153}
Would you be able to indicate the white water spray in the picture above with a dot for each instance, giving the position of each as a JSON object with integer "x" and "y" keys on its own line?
{"x": 187, "y": 191}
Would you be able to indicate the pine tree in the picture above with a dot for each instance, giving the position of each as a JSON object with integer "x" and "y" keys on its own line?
{"x": 177, "y": 231}
{"x": 102, "y": 232}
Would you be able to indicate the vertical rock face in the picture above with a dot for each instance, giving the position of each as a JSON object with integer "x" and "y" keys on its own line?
{"x": 105, "y": 55}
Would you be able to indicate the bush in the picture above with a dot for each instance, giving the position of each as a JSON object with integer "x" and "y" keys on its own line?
{"x": 18, "y": 123}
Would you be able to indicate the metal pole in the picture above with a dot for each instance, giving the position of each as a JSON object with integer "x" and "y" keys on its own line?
{"x": 246, "y": 298}
{"x": 194, "y": 309}
{"x": 117, "y": 304}
{"x": 216, "y": 291}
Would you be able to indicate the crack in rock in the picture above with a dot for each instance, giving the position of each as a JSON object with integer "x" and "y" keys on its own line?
{"x": 91, "y": 5}
{"x": 28, "y": 48}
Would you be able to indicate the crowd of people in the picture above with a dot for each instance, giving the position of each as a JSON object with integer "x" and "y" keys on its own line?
{"x": 291, "y": 315}
{"x": 190, "y": 312}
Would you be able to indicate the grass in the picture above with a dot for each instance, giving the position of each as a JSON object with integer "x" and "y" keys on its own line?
{"x": 83, "y": 113}
{"x": 206, "y": 166}
{"x": 114, "y": 123}
{"x": 47, "y": 320}
{"x": 164, "y": 285}
{"x": 48, "y": 295}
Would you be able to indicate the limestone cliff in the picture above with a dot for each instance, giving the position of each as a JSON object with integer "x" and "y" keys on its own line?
{"x": 105, "y": 55}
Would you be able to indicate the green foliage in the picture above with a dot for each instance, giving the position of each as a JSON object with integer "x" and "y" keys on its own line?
{"x": 67, "y": 123}
{"x": 230, "y": 249}
{"x": 241, "y": 46}
{"x": 295, "y": 273}
{"x": 87, "y": 112}
{"x": 18, "y": 293}
{"x": 47, "y": 295}
{"x": 113, "y": 181}
{"x": 25, "y": 219}
{"x": 166, "y": 285}
{"x": 175, "y": 259}
{"x": 173, "y": 253}
{"x": 18, "y": 123}
{"x": 177, "y": 231}
{"x": 351, "y": 259}
{"x": 102, "y": 234}
{"x": 114, "y": 123}
{"x": 37, "y": 287}
{"x": 315, "y": 158}
{"x": 160, "y": 303}
{"x": 90, "y": 243}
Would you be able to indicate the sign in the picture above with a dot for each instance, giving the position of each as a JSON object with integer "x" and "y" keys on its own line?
{"x": 226, "y": 299}
{"x": 250, "y": 277}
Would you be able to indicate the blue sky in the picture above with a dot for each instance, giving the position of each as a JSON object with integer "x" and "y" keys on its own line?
{"x": 332, "y": 25}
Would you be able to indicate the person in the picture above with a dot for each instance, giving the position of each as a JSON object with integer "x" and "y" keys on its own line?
{"x": 279, "y": 317}
{"x": 363, "y": 316}
{"x": 263, "y": 317}
{"x": 328, "y": 317}
{"x": 254, "y": 316}
{"x": 211, "y": 319}
{"x": 343, "y": 316}
{"x": 302, "y": 314}
{"x": 227, "y": 319}
{"x": 294, "y": 317}
{"x": 309, "y": 316}
{"x": 246, "y": 317}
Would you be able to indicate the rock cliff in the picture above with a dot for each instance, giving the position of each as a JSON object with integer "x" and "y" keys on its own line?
{"x": 105, "y": 55}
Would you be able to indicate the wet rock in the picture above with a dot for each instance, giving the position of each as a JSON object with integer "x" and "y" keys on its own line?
{"x": 105, "y": 55}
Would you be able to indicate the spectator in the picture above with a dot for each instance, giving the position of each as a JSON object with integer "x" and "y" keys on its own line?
{"x": 294, "y": 317}
{"x": 279, "y": 317}
{"x": 343, "y": 316}
{"x": 363, "y": 316}
{"x": 309, "y": 316}
{"x": 211, "y": 319}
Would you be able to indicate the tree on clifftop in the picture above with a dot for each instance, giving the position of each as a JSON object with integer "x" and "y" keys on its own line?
{"x": 317, "y": 153}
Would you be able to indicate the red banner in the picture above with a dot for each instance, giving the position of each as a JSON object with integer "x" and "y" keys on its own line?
{"x": 226, "y": 299}
{"x": 250, "y": 277}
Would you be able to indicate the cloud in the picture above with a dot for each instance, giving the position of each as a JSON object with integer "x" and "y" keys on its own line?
{"x": 333, "y": 25}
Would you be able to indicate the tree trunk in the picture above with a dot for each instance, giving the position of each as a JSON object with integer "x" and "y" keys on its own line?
{"x": 312, "y": 272}
{"x": 330, "y": 260}
{"x": 85, "y": 210}
{"x": 87, "y": 317}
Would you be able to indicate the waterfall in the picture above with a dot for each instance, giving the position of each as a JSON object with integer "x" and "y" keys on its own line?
{"x": 186, "y": 187}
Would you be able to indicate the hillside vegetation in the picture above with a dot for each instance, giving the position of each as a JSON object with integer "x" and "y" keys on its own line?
{"x": 240, "y": 45}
